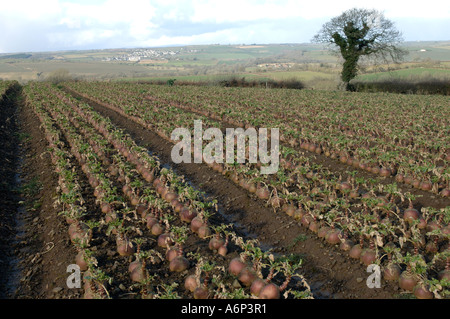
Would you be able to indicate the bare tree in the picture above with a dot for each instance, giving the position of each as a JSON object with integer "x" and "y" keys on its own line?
{"x": 360, "y": 33}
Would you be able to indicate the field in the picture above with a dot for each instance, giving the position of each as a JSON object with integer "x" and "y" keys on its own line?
{"x": 312, "y": 64}
{"x": 89, "y": 179}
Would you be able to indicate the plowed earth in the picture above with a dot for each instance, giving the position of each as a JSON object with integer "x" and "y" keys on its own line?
{"x": 36, "y": 247}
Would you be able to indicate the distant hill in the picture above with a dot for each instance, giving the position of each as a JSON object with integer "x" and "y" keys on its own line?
{"x": 16, "y": 56}
{"x": 306, "y": 62}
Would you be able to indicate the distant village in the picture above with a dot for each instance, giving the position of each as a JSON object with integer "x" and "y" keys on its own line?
{"x": 149, "y": 54}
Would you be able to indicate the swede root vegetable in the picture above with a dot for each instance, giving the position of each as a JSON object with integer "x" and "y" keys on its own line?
{"x": 190, "y": 283}
{"x": 125, "y": 247}
{"x": 333, "y": 236}
{"x": 236, "y": 266}
{"x": 256, "y": 286}
{"x": 392, "y": 272}
{"x": 425, "y": 185}
{"x": 346, "y": 244}
{"x": 407, "y": 280}
{"x": 322, "y": 232}
{"x": 193, "y": 282}
{"x": 157, "y": 229}
{"x": 247, "y": 276}
{"x": 375, "y": 170}
{"x": 446, "y": 230}
{"x": 151, "y": 221}
{"x": 270, "y": 291}
{"x": 422, "y": 223}
{"x": 368, "y": 256}
{"x": 80, "y": 261}
{"x": 262, "y": 192}
{"x": 201, "y": 293}
{"x": 216, "y": 242}
{"x": 276, "y": 201}
{"x": 170, "y": 196}
{"x": 411, "y": 214}
{"x": 133, "y": 265}
{"x": 179, "y": 264}
{"x": 345, "y": 186}
{"x": 422, "y": 292}
{"x": 306, "y": 220}
{"x": 80, "y": 232}
{"x": 354, "y": 193}
{"x": 299, "y": 213}
{"x": 314, "y": 226}
{"x": 432, "y": 246}
{"x": 356, "y": 250}
{"x": 172, "y": 252}
{"x": 106, "y": 208}
{"x": 138, "y": 273}
{"x": 142, "y": 210}
{"x": 187, "y": 214}
{"x": 165, "y": 240}
{"x": 177, "y": 205}
{"x": 204, "y": 231}
{"x": 148, "y": 175}
{"x": 445, "y": 273}
{"x": 399, "y": 178}
{"x": 88, "y": 291}
{"x": 433, "y": 225}
{"x": 223, "y": 250}
{"x": 445, "y": 192}
{"x": 134, "y": 200}
{"x": 196, "y": 223}
{"x": 385, "y": 172}
{"x": 289, "y": 209}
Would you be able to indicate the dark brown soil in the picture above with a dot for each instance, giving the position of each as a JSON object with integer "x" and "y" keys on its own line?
{"x": 9, "y": 197}
{"x": 45, "y": 250}
{"x": 331, "y": 273}
{"x": 35, "y": 245}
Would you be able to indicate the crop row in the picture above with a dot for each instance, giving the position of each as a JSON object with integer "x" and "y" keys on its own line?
{"x": 406, "y": 138}
{"x": 3, "y": 87}
{"x": 374, "y": 223}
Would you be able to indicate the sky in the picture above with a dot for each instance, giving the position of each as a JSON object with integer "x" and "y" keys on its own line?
{"x": 52, "y": 25}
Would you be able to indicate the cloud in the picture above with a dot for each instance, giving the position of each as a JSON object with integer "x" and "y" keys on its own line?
{"x": 29, "y": 10}
{"x": 66, "y": 24}
{"x": 48, "y": 25}
{"x": 253, "y": 10}
{"x": 108, "y": 19}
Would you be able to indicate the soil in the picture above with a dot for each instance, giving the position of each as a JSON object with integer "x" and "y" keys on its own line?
{"x": 8, "y": 189}
{"x": 43, "y": 248}
{"x": 330, "y": 272}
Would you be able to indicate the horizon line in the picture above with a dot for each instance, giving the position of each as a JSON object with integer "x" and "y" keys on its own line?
{"x": 194, "y": 45}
